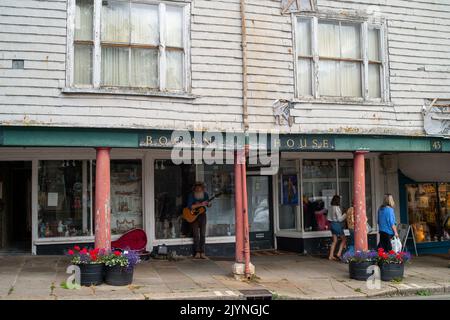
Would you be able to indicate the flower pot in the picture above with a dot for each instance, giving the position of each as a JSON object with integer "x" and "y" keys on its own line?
{"x": 391, "y": 271}
{"x": 92, "y": 274}
{"x": 118, "y": 276}
{"x": 358, "y": 270}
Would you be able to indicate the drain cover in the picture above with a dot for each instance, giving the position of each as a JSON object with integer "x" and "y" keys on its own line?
{"x": 257, "y": 294}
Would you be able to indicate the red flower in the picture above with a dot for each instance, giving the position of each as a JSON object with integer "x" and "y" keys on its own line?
{"x": 84, "y": 251}
{"x": 392, "y": 252}
{"x": 117, "y": 253}
{"x": 77, "y": 248}
{"x": 70, "y": 252}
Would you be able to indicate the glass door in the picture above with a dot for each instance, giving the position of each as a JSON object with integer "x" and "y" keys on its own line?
{"x": 260, "y": 212}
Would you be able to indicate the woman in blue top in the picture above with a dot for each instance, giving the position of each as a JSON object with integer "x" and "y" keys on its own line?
{"x": 386, "y": 223}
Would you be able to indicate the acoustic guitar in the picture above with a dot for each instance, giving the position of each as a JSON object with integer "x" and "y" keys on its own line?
{"x": 190, "y": 215}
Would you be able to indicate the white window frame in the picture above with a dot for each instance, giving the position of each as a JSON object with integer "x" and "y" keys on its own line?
{"x": 96, "y": 86}
{"x": 365, "y": 25}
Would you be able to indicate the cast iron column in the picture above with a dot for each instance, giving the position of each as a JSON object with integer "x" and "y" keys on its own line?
{"x": 239, "y": 231}
{"x": 102, "y": 200}
{"x": 359, "y": 200}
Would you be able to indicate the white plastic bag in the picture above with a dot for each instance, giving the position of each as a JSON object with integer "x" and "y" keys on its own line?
{"x": 396, "y": 244}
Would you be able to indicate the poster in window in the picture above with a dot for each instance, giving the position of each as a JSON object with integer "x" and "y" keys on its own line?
{"x": 289, "y": 188}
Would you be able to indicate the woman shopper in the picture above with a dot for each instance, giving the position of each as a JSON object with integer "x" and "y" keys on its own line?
{"x": 386, "y": 223}
{"x": 336, "y": 219}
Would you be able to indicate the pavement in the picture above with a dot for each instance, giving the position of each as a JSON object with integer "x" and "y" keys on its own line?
{"x": 285, "y": 275}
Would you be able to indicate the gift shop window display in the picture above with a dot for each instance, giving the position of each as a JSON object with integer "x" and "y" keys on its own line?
{"x": 428, "y": 211}
{"x": 63, "y": 199}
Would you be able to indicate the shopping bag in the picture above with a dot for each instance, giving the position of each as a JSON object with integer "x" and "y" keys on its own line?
{"x": 396, "y": 244}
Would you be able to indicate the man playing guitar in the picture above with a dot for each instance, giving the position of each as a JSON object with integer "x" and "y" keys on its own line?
{"x": 199, "y": 198}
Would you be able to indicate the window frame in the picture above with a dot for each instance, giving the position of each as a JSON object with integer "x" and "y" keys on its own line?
{"x": 365, "y": 25}
{"x": 96, "y": 85}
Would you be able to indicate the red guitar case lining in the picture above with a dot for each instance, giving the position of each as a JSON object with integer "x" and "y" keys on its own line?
{"x": 135, "y": 239}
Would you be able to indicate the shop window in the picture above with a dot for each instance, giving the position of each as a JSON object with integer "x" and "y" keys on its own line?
{"x": 289, "y": 194}
{"x": 138, "y": 45}
{"x": 64, "y": 206}
{"x": 324, "y": 178}
{"x": 221, "y": 215}
{"x": 428, "y": 207}
{"x": 126, "y": 195}
{"x": 173, "y": 184}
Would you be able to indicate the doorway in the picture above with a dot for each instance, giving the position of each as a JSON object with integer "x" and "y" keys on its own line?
{"x": 260, "y": 216}
{"x": 15, "y": 207}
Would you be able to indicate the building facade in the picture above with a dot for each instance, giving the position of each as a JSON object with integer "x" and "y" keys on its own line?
{"x": 335, "y": 79}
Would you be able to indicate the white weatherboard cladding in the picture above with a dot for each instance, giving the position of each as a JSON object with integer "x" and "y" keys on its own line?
{"x": 418, "y": 47}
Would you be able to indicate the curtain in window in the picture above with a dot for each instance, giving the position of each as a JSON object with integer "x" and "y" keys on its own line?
{"x": 144, "y": 24}
{"x": 115, "y": 66}
{"x": 374, "y": 68}
{"x": 174, "y": 74}
{"x": 174, "y": 26}
{"x": 304, "y": 50}
{"x": 83, "y": 52}
{"x": 144, "y": 68}
{"x": 116, "y": 22}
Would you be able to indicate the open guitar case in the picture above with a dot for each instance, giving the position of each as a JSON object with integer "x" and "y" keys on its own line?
{"x": 136, "y": 240}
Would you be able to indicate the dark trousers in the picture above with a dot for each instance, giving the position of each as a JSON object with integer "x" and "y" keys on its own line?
{"x": 385, "y": 241}
{"x": 198, "y": 232}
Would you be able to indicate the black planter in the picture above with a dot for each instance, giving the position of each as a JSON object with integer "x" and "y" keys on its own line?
{"x": 391, "y": 271}
{"x": 118, "y": 276}
{"x": 92, "y": 274}
{"x": 358, "y": 270}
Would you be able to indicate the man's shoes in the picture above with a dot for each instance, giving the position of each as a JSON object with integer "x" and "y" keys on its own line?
{"x": 202, "y": 256}
{"x": 198, "y": 256}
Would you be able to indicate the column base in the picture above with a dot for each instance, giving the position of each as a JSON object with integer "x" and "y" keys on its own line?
{"x": 239, "y": 269}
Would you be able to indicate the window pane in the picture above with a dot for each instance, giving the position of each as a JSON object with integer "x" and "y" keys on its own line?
{"x": 115, "y": 66}
{"x": 374, "y": 44}
{"x": 82, "y": 65}
{"x": 116, "y": 21}
{"x": 174, "y": 72}
{"x": 126, "y": 195}
{"x": 304, "y": 77}
{"x": 304, "y": 37}
{"x": 289, "y": 200}
{"x": 144, "y": 68}
{"x": 319, "y": 186}
{"x": 144, "y": 24}
{"x": 329, "y": 39}
{"x": 63, "y": 199}
{"x": 174, "y": 26}
{"x": 258, "y": 203}
{"x": 219, "y": 178}
{"x": 84, "y": 20}
{"x": 374, "y": 81}
{"x": 350, "y": 79}
{"x": 350, "y": 41}
{"x": 173, "y": 183}
{"x": 329, "y": 78}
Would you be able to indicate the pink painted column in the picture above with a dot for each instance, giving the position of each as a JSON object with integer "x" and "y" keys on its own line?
{"x": 239, "y": 231}
{"x": 102, "y": 200}
{"x": 359, "y": 200}
{"x": 245, "y": 219}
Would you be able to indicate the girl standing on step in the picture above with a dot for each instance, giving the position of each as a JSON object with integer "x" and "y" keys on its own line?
{"x": 336, "y": 219}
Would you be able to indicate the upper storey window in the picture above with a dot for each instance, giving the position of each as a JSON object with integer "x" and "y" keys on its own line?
{"x": 339, "y": 59}
{"x": 128, "y": 44}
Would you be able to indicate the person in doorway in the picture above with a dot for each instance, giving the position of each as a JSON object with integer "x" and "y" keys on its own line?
{"x": 351, "y": 228}
{"x": 199, "y": 198}
{"x": 336, "y": 219}
{"x": 386, "y": 223}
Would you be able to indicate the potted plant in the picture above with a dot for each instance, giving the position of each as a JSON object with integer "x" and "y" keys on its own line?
{"x": 359, "y": 262}
{"x": 91, "y": 264}
{"x": 392, "y": 265}
{"x": 120, "y": 267}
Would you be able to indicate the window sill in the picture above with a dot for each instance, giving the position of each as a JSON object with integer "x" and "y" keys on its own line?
{"x": 342, "y": 102}
{"x": 128, "y": 92}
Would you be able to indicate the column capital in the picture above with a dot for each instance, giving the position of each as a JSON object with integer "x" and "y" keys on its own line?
{"x": 361, "y": 151}
{"x": 103, "y": 148}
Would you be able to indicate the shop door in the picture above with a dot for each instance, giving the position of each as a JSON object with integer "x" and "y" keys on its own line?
{"x": 260, "y": 212}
